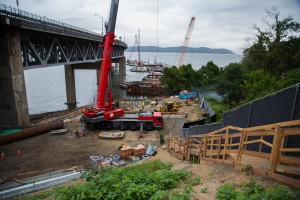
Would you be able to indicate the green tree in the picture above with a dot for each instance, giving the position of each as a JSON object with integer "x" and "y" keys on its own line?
{"x": 257, "y": 84}
{"x": 188, "y": 74}
{"x": 172, "y": 80}
{"x": 209, "y": 72}
{"x": 288, "y": 79}
{"x": 276, "y": 49}
{"x": 228, "y": 84}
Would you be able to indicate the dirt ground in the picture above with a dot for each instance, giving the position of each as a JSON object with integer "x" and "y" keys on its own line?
{"x": 211, "y": 175}
{"x": 45, "y": 153}
{"x": 48, "y": 153}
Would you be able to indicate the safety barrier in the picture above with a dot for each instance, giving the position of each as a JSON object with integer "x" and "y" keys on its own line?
{"x": 266, "y": 144}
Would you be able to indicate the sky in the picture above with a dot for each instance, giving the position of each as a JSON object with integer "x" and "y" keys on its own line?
{"x": 218, "y": 24}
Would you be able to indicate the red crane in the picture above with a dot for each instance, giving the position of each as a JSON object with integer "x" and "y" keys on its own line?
{"x": 103, "y": 105}
{"x": 103, "y": 114}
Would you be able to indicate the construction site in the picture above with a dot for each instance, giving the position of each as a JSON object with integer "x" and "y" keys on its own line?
{"x": 258, "y": 140}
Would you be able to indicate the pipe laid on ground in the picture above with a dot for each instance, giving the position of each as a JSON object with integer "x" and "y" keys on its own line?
{"x": 32, "y": 131}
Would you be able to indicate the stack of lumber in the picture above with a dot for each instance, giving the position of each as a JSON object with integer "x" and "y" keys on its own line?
{"x": 139, "y": 151}
{"x": 127, "y": 152}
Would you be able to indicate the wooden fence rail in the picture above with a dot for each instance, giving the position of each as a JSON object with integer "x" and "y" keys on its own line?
{"x": 268, "y": 144}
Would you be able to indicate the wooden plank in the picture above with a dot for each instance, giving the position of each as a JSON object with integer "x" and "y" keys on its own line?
{"x": 275, "y": 150}
{"x": 211, "y": 146}
{"x": 289, "y": 160}
{"x": 232, "y": 151}
{"x": 291, "y": 131}
{"x": 235, "y": 128}
{"x": 219, "y": 147}
{"x": 261, "y": 133}
{"x": 217, "y": 131}
{"x": 289, "y": 123}
{"x": 264, "y": 127}
{"x": 289, "y": 149}
{"x": 232, "y": 145}
{"x": 241, "y": 147}
{"x": 233, "y": 135}
{"x": 265, "y": 142}
{"x": 252, "y": 141}
{"x": 226, "y": 143}
{"x": 277, "y": 177}
{"x": 257, "y": 154}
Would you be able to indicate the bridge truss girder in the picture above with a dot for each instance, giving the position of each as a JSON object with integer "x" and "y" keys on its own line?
{"x": 42, "y": 50}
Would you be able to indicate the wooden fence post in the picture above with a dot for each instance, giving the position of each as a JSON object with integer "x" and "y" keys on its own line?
{"x": 187, "y": 155}
{"x": 226, "y": 143}
{"x": 205, "y": 146}
{"x": 275, "y": 148}
{"x": 241, "y": 146}
{"x": 219, "y": 146}
{"x": 212, "y": 145}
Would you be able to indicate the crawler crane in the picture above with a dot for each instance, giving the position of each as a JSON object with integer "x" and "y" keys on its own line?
{"x": 103, "y": 114}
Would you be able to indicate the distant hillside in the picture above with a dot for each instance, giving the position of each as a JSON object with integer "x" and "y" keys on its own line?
{"x": 178, "y": 50}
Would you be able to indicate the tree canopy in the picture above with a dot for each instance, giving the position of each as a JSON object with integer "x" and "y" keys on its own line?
{"x": 270, "y": 63}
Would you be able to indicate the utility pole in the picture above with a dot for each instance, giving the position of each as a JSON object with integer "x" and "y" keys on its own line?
{"x": 102, "y": 22}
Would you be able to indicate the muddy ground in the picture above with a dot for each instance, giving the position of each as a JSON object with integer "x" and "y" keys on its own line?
{"x": 47, "y": 153}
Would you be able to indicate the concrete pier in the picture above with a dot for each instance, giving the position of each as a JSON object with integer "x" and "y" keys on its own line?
{"x": 13, "y": 99}
{"x": 70, "y": 77}
{"x": 70, "y": 86}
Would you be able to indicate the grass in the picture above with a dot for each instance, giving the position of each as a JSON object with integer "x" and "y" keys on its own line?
{"x": 218, "y": 107}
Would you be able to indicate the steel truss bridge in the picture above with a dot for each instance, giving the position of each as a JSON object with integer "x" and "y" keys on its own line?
{"x": 47, "y": 42}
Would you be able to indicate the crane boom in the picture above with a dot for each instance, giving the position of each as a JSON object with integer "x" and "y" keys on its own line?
{"x": 103, "y": 105}
{"x": 186, "y": 41}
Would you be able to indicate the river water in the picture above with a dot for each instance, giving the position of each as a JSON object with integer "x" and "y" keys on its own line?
{"x": 46, "y": 90}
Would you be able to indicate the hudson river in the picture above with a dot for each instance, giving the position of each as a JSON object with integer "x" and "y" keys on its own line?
{"x": 46, "y": 90}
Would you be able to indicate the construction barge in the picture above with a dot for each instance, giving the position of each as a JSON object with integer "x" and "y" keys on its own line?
{"x": 142, "y": 88}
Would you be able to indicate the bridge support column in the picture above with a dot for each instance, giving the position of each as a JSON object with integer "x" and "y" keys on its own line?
{"x": 70, "y": 86}
{"x": 13, "y": 99}
{"x": 122, "y": 69}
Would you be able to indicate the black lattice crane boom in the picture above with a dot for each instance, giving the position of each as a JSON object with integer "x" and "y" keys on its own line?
{"x": 186, "y": 41}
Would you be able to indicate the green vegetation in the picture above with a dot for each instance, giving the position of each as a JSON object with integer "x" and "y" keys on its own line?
{"x": 270, "y": 63}
{"x": 148, "y": 180}
{"x": 204, "y": 190}
{"x": 252, "y": 190}
{"x": 39, "y": 196}
{"x": 218, "y": 107}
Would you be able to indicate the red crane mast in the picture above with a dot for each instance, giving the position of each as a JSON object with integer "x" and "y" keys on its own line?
{"x": 103, "y": 105}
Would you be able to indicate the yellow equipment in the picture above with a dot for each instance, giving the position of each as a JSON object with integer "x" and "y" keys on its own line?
{"x": 169, "y": 107}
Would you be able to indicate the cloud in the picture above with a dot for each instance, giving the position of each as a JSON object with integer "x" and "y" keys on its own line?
{"x": 219, "y": 23}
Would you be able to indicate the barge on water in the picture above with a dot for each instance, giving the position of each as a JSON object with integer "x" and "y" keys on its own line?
{"x": 142, "y": 88}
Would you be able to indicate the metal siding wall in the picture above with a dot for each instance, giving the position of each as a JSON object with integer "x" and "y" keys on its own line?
{"x": 273, "y": 108}
{"x": 278, "y": 107}
{"x": 297, "y": 104}
{"x": 237, "y": 117}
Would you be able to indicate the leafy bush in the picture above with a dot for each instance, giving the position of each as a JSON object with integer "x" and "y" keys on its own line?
{"x": 149, "y": 180}
{"x": 218, "y": 107}
{"x": 254, "y": 191}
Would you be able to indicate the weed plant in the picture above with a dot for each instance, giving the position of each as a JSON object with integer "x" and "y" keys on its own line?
{"x": 148, "y": 180}
{"x": 253, "y": 191}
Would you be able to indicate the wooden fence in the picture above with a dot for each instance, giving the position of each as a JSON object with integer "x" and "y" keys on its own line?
{"x": 234, "y": 145}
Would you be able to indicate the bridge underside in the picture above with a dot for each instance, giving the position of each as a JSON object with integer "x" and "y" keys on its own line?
{"x": 27, "y": 49}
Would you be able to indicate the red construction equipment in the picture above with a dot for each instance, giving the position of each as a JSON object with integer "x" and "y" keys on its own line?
{"x": 103, "y": 113}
